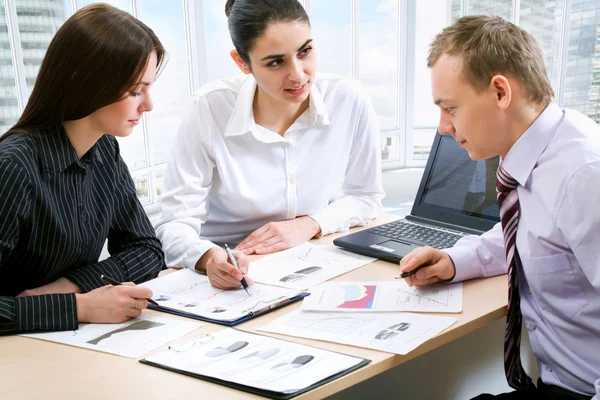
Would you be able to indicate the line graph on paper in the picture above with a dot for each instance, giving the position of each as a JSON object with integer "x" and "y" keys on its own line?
{"x": 305, "y": 265}
{"x": 327, "y": 323}
{"x": 192, "y": 293}
{"x": 435, "y": 298}
{"x": 326, "y": 256}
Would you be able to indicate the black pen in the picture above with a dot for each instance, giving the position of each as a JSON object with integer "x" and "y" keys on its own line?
{"x": 113, "y": 282}
{"x": 235, "y": 264}
{"x": 409, "y": 273}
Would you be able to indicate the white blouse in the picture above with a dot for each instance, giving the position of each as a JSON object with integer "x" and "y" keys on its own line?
{"x": 229, "y": 176}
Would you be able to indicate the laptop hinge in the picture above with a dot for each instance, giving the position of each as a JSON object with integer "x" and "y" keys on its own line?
{"x": 444, "y": 225}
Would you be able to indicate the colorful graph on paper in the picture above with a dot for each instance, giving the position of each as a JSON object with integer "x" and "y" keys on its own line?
{"x": 352, "y": 296}
{"x": 358, "y": 296}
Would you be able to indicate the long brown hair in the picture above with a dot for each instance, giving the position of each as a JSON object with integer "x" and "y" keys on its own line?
{"x": 94, "y": 59}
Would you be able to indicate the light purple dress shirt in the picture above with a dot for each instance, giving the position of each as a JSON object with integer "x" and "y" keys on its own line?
{"x": 557, "y": 165}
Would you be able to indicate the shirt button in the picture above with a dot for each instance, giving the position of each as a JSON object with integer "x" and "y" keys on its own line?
{"x": 547, "y": 367}
{"x": 530, "y": 325}
{"x": 292, "y": 180}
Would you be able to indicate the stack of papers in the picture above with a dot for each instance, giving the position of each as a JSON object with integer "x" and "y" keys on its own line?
{"x": 397, "y": 333}
{"x": 259, "y": 364}
{"x": 364, "y": 314}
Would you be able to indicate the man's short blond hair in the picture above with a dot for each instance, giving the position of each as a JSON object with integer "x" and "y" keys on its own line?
{"x": 488, "y": 46}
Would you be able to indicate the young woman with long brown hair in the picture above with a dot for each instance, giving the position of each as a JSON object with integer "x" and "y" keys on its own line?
{"x": 64, "y": 188}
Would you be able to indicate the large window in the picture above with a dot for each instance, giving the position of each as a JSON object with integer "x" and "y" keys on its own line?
{"x": 383, "y": 43}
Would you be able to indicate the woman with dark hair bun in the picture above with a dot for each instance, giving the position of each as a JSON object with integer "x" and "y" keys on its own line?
{"x": 270, "y": 159}
{"x": 64, "y": 188}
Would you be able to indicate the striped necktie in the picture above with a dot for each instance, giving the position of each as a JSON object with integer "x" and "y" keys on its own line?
{"x": 508, "y": 202}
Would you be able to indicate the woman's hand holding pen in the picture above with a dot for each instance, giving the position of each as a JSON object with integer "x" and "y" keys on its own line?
{"x": 276, "y": 236}
{"x": 221, "y": 273}
{"x": 112, "y": 304}
{"x": 431, "y": 266}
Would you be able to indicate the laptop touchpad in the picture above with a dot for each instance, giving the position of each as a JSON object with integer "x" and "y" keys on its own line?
{"x": 396, "y": 247}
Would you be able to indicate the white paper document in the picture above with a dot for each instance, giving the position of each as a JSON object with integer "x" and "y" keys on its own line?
{"x": 396, "y": 295}
{"x": 130, "y": 339}
{"x": 190, "y": 292}
{"x": 397, "y": 333}
{"x": 255, "y": 360}
{"x": 305, "y": 266}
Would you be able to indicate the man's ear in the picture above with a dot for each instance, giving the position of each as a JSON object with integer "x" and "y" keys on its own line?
{"x": 500, "y": 86}
{"x": 242, "y": 65}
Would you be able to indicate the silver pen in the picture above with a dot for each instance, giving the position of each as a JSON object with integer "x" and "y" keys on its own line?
{"x": 235, "y": 264}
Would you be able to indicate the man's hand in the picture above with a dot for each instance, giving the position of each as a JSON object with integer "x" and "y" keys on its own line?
{"x": 61, "y": 285}
{"x": 220, "y": 271}
{"x": 112, "y": 304}
{"x": 433, "y": 266}
{"x": 276, "y": 236}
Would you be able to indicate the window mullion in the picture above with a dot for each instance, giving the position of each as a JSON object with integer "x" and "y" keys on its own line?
{"x": 306, "y": 4}
{"x": 516, "y": 11}
{"x": 564, "y": 51}
{"x": 195, "y": 37}
{"x": 135, "y": 11}
{"x": 14, "y": 39}
{"x": 406, "y": 23}
{"x": 355, "y": 24}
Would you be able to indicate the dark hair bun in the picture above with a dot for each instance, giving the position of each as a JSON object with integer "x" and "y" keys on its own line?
{"x": 228, "y": 7}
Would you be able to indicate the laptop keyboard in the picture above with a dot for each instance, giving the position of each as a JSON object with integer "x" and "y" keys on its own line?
{"x": 438, "y": 238}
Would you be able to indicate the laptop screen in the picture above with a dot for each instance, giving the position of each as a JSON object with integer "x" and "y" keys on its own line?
{"x": 457, "y": 189}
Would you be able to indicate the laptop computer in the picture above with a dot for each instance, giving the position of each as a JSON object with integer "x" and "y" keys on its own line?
{"x": 456, "y": 197}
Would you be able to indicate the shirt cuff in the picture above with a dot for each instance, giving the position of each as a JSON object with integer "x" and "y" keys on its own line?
{"x": 465, "y": 263}
{"x": 194, "y": 253}
{"x": 326, "y": 223}
{"x": 48, "y": 312}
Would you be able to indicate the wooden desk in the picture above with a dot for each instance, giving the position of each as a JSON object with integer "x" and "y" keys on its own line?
{"x": 36, "y": 369}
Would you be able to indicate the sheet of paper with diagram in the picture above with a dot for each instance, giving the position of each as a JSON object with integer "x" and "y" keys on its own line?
{"x": 397, "y": 332}
{"x": 342, "y": 296}
{"x": 255, "y": 362}
{"x": 305, "y": 266}
{"x": 130, "y": 339}
{"x": 189, "y": 293}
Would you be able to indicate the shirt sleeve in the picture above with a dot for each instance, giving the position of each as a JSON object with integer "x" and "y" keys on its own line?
{"x": 479, "y": 256}
{"x": 184, "y": 205}
{"x": 597, "y": 387}
{"x": 136, "y": 254}
{"x": 32, "y": 313}
{"x": 579, "y": 222}
{"x": 362, "y": 187}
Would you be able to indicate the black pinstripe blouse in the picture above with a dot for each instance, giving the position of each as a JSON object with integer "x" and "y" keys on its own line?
{"x": 56, "y": 212}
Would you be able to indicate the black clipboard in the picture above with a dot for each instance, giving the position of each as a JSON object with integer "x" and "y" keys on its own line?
{"x": 259, "y": 311}
{"x": 251, "y": 389}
